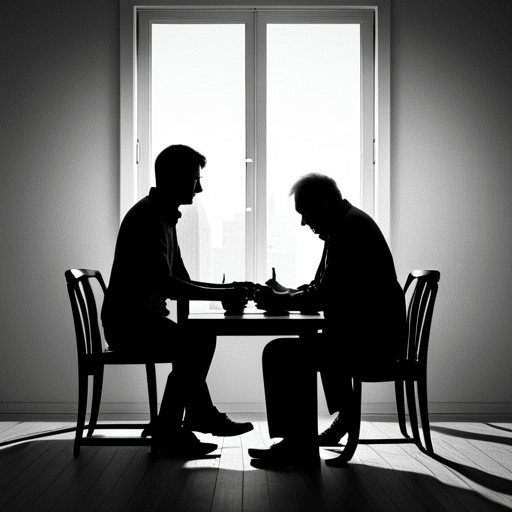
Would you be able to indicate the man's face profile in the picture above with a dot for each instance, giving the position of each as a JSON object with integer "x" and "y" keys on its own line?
{"x": 314, "y": 215}
{"x": 186, "y": 185}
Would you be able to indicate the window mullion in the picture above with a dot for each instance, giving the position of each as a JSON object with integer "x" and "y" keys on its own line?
{"x": 367, "y": 117}
{"x": 261, "y": 149}
{"x": 251, "y": 162}
{"x": 143, "y": 107}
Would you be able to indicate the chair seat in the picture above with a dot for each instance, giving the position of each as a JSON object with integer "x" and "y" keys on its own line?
{"x": 110, "y": 357}
{"x": 399, "y": 370}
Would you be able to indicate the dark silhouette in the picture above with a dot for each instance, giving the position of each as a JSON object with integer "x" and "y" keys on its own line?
{"x": 360, "y": 327}
{"x": 147, "y": 270}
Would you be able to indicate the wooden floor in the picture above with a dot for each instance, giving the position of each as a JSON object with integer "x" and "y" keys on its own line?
{"x": 472, "y": 471}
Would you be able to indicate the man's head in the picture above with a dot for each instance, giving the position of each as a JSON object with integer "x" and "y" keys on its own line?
{"x": 317, "y": 198}
{"x": 177, "y": 173}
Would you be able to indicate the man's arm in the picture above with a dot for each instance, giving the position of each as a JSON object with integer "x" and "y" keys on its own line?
{"x": 223, "y": 286}
{"x": 179, "y": 289}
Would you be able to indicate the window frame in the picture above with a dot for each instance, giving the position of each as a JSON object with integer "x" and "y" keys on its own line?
{"x": 129, "y": 148}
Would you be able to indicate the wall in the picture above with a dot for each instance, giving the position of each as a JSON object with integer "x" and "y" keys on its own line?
{"x": 451, "y": 209}
{"x": 59, "y": 194}
{"x": 451, "y": 186}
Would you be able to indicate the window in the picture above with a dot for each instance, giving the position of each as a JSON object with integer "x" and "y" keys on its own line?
{"x": 267, "y": 96}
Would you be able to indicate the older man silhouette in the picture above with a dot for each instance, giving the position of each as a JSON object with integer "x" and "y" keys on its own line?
{"x": 364, "y": 307}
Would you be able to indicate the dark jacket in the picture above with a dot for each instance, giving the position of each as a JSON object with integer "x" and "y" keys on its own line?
{"x": 356, "y": 286}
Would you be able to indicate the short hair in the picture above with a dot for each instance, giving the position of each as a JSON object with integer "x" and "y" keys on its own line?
{"x": 174, "y": 159}
{"x": 317, "y": 188}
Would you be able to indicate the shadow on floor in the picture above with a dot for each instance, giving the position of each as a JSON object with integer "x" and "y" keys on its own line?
{"x": 498, "y": 427}
{"x": 151, "y": 482}
{"x": 472, "y": 435}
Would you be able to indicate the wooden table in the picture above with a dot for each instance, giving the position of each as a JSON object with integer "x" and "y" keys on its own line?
{"x": 252, "y": 323}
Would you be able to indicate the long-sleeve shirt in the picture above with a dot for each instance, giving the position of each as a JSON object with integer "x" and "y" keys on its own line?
{"x": 147, "y": 262}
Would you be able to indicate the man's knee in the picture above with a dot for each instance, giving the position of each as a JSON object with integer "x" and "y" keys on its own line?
{"x": 277, "y": 350}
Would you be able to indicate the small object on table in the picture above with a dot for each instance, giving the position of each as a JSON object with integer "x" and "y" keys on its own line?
{"x": 233, "y": 309}
{"x": 310, "y": 312}
{"x": 273, "y": 273}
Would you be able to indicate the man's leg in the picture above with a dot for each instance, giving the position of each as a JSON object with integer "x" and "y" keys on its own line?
{"x": 187, "y": 382}
{"x": 339, "y": 395}
{"x": 290, "y": 389}
{"x": 289, "y": 373}
{"x": 337, "y": 389}
{"x": 186, "y": 387}
{"x": 161, "y": 336}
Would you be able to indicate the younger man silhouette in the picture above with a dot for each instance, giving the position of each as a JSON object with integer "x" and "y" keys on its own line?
{"x": 147, "y": 270}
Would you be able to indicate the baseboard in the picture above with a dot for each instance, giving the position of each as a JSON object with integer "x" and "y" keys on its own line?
{"x": 138, "y": 411}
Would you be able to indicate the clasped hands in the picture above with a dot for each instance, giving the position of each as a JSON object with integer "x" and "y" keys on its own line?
{"x": 271, "y": 297}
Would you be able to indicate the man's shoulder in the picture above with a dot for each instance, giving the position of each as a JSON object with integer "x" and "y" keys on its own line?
{"x": 141, "y": 205}
{"x": 355, "y": 223}
{"x": 141, "y": 210}
{"x": 355, "y": 218}
{"x": 355, "y": 214}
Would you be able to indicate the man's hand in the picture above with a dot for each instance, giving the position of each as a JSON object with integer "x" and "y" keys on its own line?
{"x": 272, "y": 283}
{"x": 248, "y": 286}
{"x": 236, "y": 294}
{"x": 235, "y": 299}
{"x": 266, "y": 298}
{"x": 277, "y": 287}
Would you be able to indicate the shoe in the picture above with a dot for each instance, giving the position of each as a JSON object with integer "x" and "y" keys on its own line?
{"x": 286, "y": 453}
{"x": 182, "y": 443}
{"x": 217, "y": 424}
{"x": 332, "y": 434}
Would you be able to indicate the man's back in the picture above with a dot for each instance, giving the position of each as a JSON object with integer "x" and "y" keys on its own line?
{"x": 146, "y": 259}
{"x": 361, "y": 295}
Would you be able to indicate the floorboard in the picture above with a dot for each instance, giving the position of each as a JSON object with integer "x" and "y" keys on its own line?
{"x": 470, "y": 470}
{"x": 255, "y": 497}
{"x": 450, "y": 468}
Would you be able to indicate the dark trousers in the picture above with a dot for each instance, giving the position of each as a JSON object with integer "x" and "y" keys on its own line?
{"x": 186, "y": 389}
{"x": 290, "y": 367}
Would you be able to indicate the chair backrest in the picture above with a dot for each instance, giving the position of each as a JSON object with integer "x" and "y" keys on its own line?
{"x": 84, "y": 308}
{"x": 420, "y": 311}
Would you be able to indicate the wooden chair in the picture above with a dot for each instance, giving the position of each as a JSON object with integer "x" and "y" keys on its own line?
{"x": 93, "y": 357}
{"x": 410, "y": 369}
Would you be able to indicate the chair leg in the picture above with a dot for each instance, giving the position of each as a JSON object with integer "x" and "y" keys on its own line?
{"x": 152, "y": 393}
{"x": 353, "y": 431}
{"x": 400, "y": 406}
{"x": 411, "y": 404}
{"x": 96, "y": 399}
{"x": 83, "y": 384}
{"x": 423, "y": 403}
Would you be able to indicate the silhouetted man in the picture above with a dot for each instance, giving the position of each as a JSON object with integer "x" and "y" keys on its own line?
{"x": 147, "y": 270}
{"x": 364, "y": 308}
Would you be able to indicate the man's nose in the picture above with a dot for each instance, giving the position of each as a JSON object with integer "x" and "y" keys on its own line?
{"x": 302, "y": 223}
{"x": 198, "y": 187}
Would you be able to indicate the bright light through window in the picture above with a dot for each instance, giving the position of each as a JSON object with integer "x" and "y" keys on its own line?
{"x": 198, "y": 99}
{"x": 313, "y": 125}
{"x": 288, "y": 92}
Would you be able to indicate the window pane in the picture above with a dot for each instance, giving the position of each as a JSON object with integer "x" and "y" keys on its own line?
{"x": 313, "y": 125}
{"x": 198, "y": 99}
